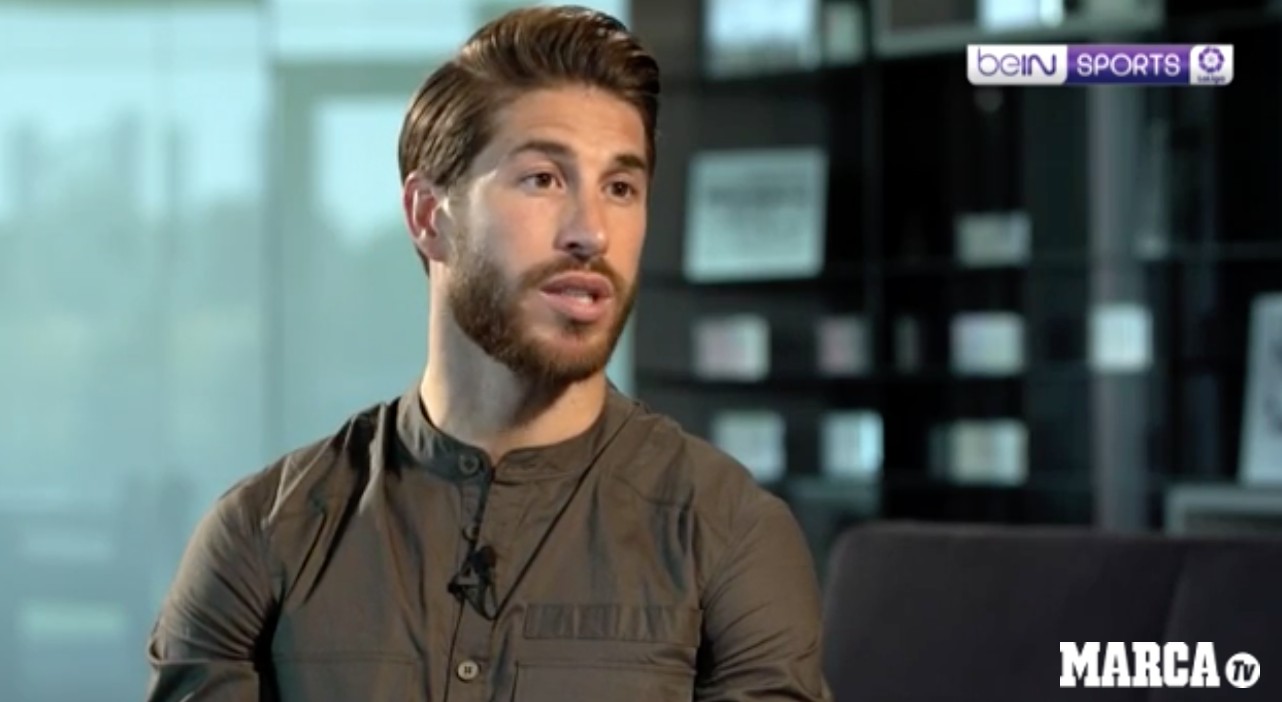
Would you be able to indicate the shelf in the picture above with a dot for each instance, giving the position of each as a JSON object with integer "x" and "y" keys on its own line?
{"x": 776, "y": 386}
{"x": 821, "y": 499}
{"x": 953, "y": 38}
{"x": 837, "y": 276}
{"x": 918, "y": 481}
{"x": 834, "y": 492}
{"x": 903, "y": 479}
{"x": 1223, "y": 508}
{"x": 831, "y": 385}
{"x": 1225, "y": 252}
{"x": 948, "y": 395}
{"x": 1057, "y": 371}
{"x": 788, "y": 82}
{"x": 834, "y": 277}
{"x": 1180, "y": 254}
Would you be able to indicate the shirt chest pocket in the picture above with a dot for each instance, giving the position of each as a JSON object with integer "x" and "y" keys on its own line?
{"x": 615, "y": 652}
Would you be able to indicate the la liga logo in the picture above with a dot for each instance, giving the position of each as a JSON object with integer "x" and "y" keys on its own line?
{"x": 1095, "y": 664}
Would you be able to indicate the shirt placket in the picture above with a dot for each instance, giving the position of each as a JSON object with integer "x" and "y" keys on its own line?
{"x": 470, "y": 657}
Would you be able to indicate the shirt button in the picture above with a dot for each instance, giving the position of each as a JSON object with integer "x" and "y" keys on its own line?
{"x": 469, "y": 464}
{"x": 468, "y": 670}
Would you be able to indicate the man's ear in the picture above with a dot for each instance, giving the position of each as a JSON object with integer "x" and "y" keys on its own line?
{"x": 427, "y": 217}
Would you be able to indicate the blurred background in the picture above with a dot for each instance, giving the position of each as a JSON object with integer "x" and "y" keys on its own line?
{"x": 891, "y": 294}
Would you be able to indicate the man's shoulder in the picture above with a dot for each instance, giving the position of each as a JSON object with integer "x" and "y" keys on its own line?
{"x": 326, "y": 467}
{"x": 668, "y": 463}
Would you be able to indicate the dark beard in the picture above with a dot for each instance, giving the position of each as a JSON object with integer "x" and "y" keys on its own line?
{"x": 490, "y": 314}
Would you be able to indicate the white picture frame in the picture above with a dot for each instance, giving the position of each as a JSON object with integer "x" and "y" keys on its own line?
{"x": 756, "y": 214}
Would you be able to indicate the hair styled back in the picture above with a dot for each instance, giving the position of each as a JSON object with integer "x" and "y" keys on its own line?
{"x": 451, "y": 118}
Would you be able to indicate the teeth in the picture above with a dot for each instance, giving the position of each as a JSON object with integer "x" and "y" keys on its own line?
{"x": 580, "y": 294}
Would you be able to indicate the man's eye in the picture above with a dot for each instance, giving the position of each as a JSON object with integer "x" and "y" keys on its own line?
{"x": 541, "y": 180}
{"x": 622, "y": 190}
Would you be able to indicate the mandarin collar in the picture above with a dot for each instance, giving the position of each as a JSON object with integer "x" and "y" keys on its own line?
{"x": 424, "y": 445}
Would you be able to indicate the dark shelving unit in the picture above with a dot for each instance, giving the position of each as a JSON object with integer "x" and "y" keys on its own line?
{"x": 911, "y": 144}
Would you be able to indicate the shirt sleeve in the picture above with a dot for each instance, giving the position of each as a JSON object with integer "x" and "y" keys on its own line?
{"x": 763, "y": 615}
{"x": 204, "y": 644}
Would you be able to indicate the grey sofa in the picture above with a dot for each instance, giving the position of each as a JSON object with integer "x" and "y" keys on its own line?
{"x": 957, "y": 613}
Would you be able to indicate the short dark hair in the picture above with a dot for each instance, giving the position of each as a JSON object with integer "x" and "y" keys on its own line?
{"x": 450, "y": 119}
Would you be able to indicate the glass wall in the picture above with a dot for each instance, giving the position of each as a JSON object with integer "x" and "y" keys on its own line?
{"x": 202, "y": 265}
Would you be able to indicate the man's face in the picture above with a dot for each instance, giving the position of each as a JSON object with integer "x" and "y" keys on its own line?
{"x": 549, "y": 235}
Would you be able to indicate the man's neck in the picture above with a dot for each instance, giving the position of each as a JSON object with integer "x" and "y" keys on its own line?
{"x": 480, "y": 402}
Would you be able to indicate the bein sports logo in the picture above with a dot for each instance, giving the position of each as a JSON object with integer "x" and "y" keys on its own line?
{"x": 1099, "y": 64}
{"x": 1148, "y": 664}
{"x": 1016, "y": 64}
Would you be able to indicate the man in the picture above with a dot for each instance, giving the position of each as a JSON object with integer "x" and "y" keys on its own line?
{"x": 511, "y": 528}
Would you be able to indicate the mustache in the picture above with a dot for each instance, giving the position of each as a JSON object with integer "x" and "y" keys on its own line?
{"x": 537, "y": 276}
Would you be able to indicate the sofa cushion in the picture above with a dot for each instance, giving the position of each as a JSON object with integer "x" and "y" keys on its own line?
{"x": 952, "y": 613}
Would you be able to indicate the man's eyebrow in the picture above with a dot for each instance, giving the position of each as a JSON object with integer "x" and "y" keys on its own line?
{"x": 557, "y": 150}
{"x": 554, "y": 149}
{"x": 631, "y": 162}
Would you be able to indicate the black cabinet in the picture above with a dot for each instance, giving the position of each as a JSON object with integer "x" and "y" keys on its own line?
{"x": 1162, "y": 202}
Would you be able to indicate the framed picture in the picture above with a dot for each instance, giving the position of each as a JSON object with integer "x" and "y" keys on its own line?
{"x": 756, "y": 214}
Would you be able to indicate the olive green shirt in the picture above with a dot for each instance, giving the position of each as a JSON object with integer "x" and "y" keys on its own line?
{"x": 633, "y": 563}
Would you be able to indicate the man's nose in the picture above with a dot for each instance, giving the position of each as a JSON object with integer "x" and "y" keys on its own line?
{"x": 584, "y": 234}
